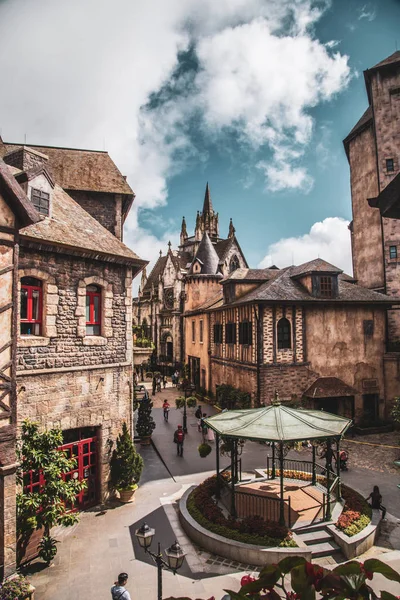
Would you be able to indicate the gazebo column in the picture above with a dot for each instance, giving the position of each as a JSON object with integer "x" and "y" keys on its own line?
{"x": 282, "y": 503}
{"x": 273, "y": 471}
{"x": 328, "y": 465}
{"x": 217, "y": 465}
{"x": 314, "y": 470}
{"x": 233, "y": 506}
{"x": 339, "y": 485}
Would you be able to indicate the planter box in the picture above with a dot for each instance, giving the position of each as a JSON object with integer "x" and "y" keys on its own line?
{"x": 249, "y": 554}
{"x": 353, "y": 546}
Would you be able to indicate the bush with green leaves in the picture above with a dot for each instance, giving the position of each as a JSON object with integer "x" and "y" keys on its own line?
{"x": 145, "y": 423}
{"x": 49, "y": 506}
{"x": 16, "y": 588}
{"x": 232, "y": 398}
{"x": 395, "y": 414}
{"x": 294, "y": 578}
{"x": 180, "y": 402}
{"x": 191, "y": 402}
{"x": 126, "y": 463}
{"x": 204, "y": 450}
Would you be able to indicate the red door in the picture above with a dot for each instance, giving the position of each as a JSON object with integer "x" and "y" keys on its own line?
{"x": 85, "y": 453}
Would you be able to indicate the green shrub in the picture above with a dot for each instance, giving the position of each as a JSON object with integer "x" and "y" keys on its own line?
{"x": 356, "y": 514}
{"x": 180, "y": 402}
{"x": 16, "y": 588}
{"x": 204, "y": 450}
{"x": 191, "y": 401}
{"x": 126, "y": 464}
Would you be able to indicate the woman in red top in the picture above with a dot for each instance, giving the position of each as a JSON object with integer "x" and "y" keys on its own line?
{"x": 166, "y": 410}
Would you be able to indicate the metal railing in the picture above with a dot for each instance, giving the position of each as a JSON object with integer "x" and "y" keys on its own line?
{"x": 300, "y": 466}
{"x": 238, "y": 469}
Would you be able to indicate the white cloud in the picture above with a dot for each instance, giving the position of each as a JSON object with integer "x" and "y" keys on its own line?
{"x": 368, "y": 11}
{"x": 81, "y": 74}
{"x": 284, "y": 176}
{"x": 329, "y": 239}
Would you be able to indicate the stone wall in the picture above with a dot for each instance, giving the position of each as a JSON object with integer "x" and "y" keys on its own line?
{"x": 105, "y": 208}
{"x": 288, "y": 381}
{"x": 64, "y": 342}
{"x": 240, "y": 376}
{"x": 98, "y": 396}
{"x": 271, "y": 353}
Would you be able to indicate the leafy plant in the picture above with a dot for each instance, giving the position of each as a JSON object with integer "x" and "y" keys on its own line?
{"x": 145, "y": 423}
{"x": 191, "y": 401}
{"x": 48, "y": 548}
{"x": 345, "y": 582}
{"x": 204, "y": 450}
{"x": 231, "y": 398}
{"x": 356, "y": 514}
{"x": 49, "y": 505}
{"x": 126, "y": 464}
{"x": 180, "y": 402}
{"x": 17, "y": 588}
{"x": 395, "y": 414}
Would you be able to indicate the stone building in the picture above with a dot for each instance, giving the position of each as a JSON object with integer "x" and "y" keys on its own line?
{"x": 373, "y": 151}
{"x": 74, "y": 316}
{"x": 160, "y": 303}
{"x": 307, "y": 333}
{"x": 16, "y": 211}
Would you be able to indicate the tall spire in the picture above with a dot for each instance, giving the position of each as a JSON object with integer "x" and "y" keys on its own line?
{"x": 184, "y": 235}
{"x": 207, "y": 206}
{"x": 232, "y": 230}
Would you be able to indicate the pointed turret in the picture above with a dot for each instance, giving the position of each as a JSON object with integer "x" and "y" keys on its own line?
{"x": 143, "y": 280}
{"x": 184, "y": 235}
{"x": 232, "y": 230}
{"x": 206, "y": 258}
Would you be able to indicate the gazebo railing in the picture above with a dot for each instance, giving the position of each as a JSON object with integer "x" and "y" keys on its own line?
{"x": 299, "y": 466}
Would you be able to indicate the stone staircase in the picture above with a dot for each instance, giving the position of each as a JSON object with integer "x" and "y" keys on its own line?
{"x": 318, "y": 538}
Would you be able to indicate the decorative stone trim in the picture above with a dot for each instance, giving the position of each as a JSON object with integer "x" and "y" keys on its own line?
{"x": 94, "y": 340}
{"x": 249, "y": 554}
{"x": 49, "y": 308}
{"x": 31, "y": 341}
{"x": 106, "y": 309}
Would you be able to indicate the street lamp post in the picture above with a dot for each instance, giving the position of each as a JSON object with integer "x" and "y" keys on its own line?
{"x": 188, "y": 388}
{"x": 174, "y": 554}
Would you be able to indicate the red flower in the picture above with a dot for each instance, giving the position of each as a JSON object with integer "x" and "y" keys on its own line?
{"x": 246, "y": 579}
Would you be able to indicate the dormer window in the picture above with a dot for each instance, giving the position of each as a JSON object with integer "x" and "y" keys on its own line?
{"x": 41, "y": 201}
{"x": 326, "y": 287}
{"x": 234, "y": 264}
{"x": 390, "y": 165}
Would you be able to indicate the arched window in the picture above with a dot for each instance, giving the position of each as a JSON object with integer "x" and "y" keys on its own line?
{"x": 93, "y": 309}
{"x": 234, "y": 264}
{"x": 31, "y": 306}
{"x": 284, "y": 334}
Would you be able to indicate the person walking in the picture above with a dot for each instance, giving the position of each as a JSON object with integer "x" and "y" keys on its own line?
{"x": 158, "y": 383}
{"x": 198, "y": 414}
{"x": 165, "y": 381}
{"x": 376, "y": 500}
{"x": 118, "y": 591}
{"x": 179, "y": 438}
{"x": 154, "y": 386}
{"x": 204, "y": 428}
{"x": 165, "y": 407}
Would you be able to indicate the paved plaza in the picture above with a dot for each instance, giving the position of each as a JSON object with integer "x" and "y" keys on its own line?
{"x": 102, "y": 544}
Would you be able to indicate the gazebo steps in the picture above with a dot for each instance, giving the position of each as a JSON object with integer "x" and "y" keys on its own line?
{"x": 318, "y": 538}
{"x": 325, "y": 549}
{"x": 315, "y": 537}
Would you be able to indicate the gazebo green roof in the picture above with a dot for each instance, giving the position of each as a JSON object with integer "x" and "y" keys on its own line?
{"x": 278, "y": 423}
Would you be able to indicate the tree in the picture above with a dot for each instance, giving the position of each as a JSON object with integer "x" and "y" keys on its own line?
{"x": 126, "y": 463}
{"x": 145, "y": 423}
{"x": 50, "y": 505}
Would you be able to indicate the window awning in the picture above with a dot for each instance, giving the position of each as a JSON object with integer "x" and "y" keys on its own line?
{"x": 278, "y": 423}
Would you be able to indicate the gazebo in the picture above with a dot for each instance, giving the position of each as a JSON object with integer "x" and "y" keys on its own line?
{"x": 281, "y": 426}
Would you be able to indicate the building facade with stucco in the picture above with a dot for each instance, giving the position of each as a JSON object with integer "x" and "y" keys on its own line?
{"x": 307, "y": 334}
{"x": 74, "y": 304}
{"x": 161, "y": 300}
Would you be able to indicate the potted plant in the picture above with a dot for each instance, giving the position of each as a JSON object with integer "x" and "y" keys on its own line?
{"x": 191, "y": 402}
{"x": 180, "y": 402}
{"x": 145, "y": 423}
{"x": 126, "y": 466}
{"x": 16, "y": 588}
{"x": 204, "y": 450}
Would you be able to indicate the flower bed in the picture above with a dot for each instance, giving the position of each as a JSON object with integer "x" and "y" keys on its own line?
{"x": 251, "y": 530}
{"x": 356, "y": 514}
{"x": 300, "y": 475}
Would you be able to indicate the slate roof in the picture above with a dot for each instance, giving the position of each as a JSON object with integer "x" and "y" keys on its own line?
{"x": 329, "y": 387}
{"x": 388, "y": 200}
{"x": 317, "y": 265}
{"x": 213, "y": 302}
{"x": 393, "y": 58}
{"x": 75, "y": 169}
{"x": 207, "y": 256}
{"x": 73, "y": 229}
{"x": 207, "y": 205}
{"x": 155, "y": 273}
{"x": 285, "y": 288}
{"x": 361, "y": 124}
{"x": 253, "y": 275}
{"x": 16, "y": 198}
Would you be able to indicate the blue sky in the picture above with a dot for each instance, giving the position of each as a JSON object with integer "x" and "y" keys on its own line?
{"x": 254, "y": 96}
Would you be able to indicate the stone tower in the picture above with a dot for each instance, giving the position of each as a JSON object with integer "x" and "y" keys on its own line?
{"x": 373, "y": 151}
{"x": 207, "y": 220}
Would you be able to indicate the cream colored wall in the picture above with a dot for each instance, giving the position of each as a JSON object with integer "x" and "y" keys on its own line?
{"x": 197, "y": 348}
{"x": 337, "y": 346}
